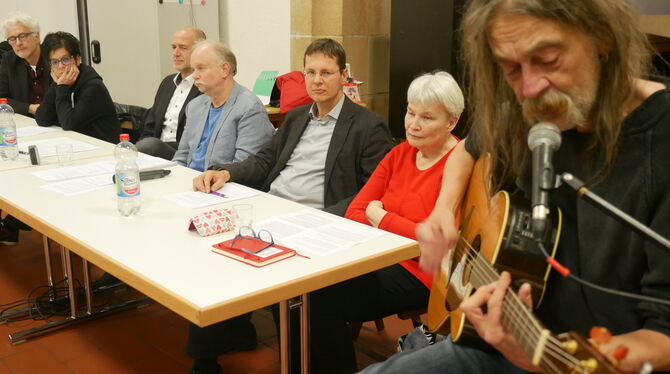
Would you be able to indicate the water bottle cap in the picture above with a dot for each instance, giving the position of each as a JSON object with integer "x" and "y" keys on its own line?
{"x": 3, "y": 100}
{"x": 124, "y": 137}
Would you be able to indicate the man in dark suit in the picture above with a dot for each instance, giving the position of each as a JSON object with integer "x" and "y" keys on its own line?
{"x": 164, "y": 123}
{"x": 321, "y": 156}
{"x": 24, "y": 77}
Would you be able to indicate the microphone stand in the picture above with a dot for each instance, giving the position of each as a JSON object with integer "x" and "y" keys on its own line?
{"x": 609, "y": 209}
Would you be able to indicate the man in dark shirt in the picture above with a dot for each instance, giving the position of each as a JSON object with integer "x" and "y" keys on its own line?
{"x": 582, "y": 66}
{"x": 24, "y": 76}
{"x": 166, "y": 119}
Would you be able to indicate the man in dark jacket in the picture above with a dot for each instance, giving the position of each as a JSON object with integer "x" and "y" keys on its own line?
{"x": 165, "y": 121}
{"x": 23, "y": 74}
{"x": 23, "y": 79}
{"x": 321, "y": 157}
{"x": 77, "y": 100}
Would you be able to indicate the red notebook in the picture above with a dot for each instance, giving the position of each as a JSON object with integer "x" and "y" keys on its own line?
{"x": 258, "y": 259}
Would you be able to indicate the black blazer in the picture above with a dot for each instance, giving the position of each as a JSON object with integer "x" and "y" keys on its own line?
{"x": 360, "y": 140}
{"x": 14, "y": 81}
{"x": 153, "y": 123}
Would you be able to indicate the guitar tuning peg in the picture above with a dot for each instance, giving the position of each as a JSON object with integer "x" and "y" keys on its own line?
{"x": 570, "y": 346}
{"x": 620, "y": 352}
{"x": 601, "y": 335}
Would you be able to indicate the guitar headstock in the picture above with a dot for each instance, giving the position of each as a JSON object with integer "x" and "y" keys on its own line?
{"x": 584, "y": 356}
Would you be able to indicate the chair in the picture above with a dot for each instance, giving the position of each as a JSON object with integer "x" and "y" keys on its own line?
{"x": 131, "y": 119}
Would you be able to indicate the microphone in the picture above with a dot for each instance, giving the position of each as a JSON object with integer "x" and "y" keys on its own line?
{"x": 543, "y": 139}
{"x": 149, "y": 174}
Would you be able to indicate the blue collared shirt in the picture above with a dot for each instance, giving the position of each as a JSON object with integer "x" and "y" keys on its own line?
{"x": 198, "y": 160}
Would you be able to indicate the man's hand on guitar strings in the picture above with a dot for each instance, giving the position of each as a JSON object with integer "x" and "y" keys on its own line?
{"x": 484, "y": 310}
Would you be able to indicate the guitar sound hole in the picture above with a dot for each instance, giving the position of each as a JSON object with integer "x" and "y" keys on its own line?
{"x": 474, "y": 251}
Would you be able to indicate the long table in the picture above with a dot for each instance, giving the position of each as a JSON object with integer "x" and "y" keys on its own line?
{"x": 155, "y": 254}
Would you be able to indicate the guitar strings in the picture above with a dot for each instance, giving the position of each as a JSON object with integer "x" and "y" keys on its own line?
{"x": 530, "y": 336}
{"x": 553, "y": 345}
{"x": 558, "y": 353}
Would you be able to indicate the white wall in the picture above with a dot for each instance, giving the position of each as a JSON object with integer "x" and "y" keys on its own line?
{"x": 259, "y": 33}
{"x": 173, "y": 16}
{"x": 52, "y": 15}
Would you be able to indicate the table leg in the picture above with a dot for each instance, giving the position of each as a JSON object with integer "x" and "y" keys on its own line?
{"x": 52, "y": 294}
{"x": 87, "y": 286}
{"x": 304, "y": 334}
{"x": 49, "y": 268}
{"x": 69, "y": 278}
{"x": 68, "y": 274}
{"x": 284, "y": 345}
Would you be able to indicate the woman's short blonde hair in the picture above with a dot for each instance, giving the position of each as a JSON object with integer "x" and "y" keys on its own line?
{"x": 437, "y": 87}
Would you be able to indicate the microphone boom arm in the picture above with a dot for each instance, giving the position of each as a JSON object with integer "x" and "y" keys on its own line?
{"x": 614, "y": 212}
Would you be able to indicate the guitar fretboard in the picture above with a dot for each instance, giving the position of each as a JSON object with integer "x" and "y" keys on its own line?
{"x": 538, "y": 343}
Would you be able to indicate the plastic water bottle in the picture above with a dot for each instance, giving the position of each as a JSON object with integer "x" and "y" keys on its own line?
{"x": 127, "y": 177}
{"x": 9, "y": 145}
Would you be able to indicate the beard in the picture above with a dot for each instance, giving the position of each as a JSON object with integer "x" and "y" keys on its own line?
{"x": 559, "y": 108}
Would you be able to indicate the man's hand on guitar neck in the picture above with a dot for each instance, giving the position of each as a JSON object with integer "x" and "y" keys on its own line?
{"x": 484, "y": 310}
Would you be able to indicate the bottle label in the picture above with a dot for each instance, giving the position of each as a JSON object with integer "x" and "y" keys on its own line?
{"x": 128, "y": 184}
{"x": 7, "y": 137}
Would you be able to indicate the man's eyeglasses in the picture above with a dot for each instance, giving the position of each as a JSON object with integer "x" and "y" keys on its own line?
{"x": 324, "y": 74}
{"x": 63, "y": 61}
{"x": 22, "y": 36}
{"x": 248, "y": 241}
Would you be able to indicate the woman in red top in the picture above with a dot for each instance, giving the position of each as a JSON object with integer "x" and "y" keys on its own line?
{"x": 400, "y": 193}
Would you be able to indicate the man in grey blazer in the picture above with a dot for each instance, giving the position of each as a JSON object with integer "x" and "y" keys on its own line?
{"x": 321, "y": 156}
{"x": 164, "y": 122}
{"x": 226, "y": 124}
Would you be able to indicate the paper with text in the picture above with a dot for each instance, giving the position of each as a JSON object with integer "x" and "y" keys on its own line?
{"x": 47, "y": 147}
{"x": 197, "y": 199}
{"x": 22, "y": 132}
{"x": 316, "y": 232}
{"x": 80, "y": 185}
{"x": 144, "y": 162}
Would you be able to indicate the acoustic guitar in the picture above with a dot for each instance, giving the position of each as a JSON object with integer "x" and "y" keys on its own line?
{"x": 494, "y": 236}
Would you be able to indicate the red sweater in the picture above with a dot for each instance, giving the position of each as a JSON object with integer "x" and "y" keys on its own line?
{"x": 408, "y": 195}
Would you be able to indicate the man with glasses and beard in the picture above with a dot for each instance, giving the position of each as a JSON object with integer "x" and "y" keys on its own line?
{"x": 77, "y": 100}
{"x": 582, "y": 66}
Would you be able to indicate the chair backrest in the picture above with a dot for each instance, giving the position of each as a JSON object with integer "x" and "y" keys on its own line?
{"x": 131, "y": 118}
{"x": 4, "y": 47}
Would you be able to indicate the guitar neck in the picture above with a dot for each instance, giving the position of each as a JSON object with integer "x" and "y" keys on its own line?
{"x": 516, "y": 317}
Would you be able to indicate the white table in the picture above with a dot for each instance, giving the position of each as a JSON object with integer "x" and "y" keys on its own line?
{"x": 155, "y": 253}
{"x": 23, "y": 161}
{"x": 160, "y": 257}
{"x": 21, "y": 120}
